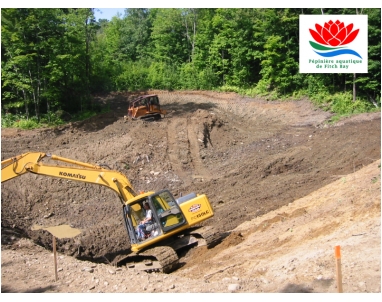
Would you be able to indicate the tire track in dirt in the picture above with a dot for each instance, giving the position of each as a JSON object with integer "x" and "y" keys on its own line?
{"x": 184, "y": 152}
{"x": 200, "y": 172}
{"x": 178, "y": 148}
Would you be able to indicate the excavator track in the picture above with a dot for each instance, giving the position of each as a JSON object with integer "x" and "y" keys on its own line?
{"x": 206, "y": 235}
{"x": 157, "y": 259}
{"x": 166, "y": 257}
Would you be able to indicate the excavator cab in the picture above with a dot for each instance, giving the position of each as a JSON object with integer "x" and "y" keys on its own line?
{"x": 166, "y": 215}
{"x": 167, "y": 210}
{"x": 145, "y": 107}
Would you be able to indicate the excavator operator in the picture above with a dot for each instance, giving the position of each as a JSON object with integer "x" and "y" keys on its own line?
{"x": 145, "y": 222}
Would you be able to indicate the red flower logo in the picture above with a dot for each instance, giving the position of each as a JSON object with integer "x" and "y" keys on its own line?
{"x": 334, "y": 33}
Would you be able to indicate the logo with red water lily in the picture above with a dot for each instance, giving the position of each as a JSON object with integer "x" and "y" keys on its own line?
{"x": 332, "y": 38}
{"x": 333, "y": 44}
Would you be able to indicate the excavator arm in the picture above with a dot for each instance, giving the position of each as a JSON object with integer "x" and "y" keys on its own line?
{"x": 74, "y": 170}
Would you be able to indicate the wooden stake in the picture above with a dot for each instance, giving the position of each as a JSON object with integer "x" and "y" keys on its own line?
{"x": 337, "y": 253}
{"x": 55, "y": 257}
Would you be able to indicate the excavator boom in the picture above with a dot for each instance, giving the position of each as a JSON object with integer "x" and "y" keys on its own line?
{"x": 79, "y": 171}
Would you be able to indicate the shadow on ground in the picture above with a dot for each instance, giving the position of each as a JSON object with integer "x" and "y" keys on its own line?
{"x": 7, "y": 289}
{"x": 296, "y": 288}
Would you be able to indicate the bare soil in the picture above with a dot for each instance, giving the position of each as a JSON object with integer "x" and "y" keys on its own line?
{"x": 286, "y": 187}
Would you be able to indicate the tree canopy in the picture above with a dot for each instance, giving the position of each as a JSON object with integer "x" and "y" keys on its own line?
{"x": 57, "y": 58}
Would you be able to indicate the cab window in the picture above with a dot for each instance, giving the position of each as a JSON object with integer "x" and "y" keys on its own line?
{"x": 167, "y": 210}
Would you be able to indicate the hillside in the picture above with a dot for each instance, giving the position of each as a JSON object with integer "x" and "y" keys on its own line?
{"x": 286, "y": 187}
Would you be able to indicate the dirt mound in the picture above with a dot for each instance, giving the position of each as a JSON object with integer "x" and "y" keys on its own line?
{"x": 290, "y": 249}
{"x": 249, "y": 156}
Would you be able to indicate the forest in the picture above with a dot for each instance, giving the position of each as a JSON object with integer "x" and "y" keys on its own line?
{"x": 53, "y": 60}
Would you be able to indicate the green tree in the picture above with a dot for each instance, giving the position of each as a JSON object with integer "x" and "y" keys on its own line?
{"x": 276, "y": 46}
{"x": 169, "y": 42}
{"x": 370, "y": 83}
{"x": 45, "y": 60}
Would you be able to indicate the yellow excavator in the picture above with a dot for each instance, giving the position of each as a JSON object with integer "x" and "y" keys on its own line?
{"x": 174, "y": 222}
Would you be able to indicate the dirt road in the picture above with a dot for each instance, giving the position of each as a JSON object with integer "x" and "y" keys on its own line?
{"x": 286, "y": 187}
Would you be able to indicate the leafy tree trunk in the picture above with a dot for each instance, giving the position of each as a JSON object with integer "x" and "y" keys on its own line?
{"x": 223, "y": 66}
{"x": 354, "y": 75}
{"x": 191, "y": 16}
{"x": 25, "y": 104}
{"x": 35, "y": 99}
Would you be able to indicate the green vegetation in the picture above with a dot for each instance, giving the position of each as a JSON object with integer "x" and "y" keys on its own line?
{"x": 53, "y": 60}
{"x": 9, "y": 120}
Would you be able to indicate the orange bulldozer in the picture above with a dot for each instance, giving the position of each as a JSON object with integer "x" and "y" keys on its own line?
{"x": 145, "y": 107}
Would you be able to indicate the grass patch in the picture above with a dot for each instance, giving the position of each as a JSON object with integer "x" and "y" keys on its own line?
{"x": 52, "y": 119}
